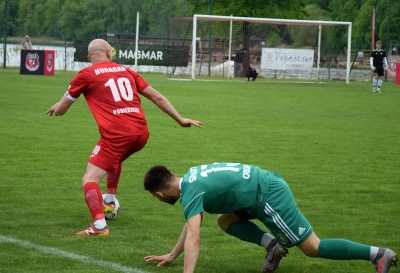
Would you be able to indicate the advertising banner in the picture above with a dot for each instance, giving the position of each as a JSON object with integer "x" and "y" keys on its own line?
{"x": 157, "y": 55}
{"x": 287, "y": 59}
{"x": 32, "y": 62}
{"x": 49, "y": 62}
{"x": 37, "y": 62}
{"x": 392, "y": 60}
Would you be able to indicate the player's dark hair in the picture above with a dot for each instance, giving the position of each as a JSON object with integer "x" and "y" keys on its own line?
{"x": 156, "y": 178}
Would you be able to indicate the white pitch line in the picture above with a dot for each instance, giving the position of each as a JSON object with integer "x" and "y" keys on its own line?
{"x": 61, "y": 253}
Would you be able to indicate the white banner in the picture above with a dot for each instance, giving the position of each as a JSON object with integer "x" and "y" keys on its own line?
{"x": 287, "y": 59}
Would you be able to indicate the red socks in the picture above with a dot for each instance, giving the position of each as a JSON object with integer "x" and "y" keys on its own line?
{"x": 113, "y": 180}
{"x": 94, "y": 200}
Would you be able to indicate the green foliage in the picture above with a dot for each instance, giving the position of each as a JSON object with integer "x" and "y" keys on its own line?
{"x": 160, "y": 18}
{"x": 336, "y": 145}
{"x": 25, "y": 17}
{"x": 252, "y": 8}
{"x": 394, "y": 26}
{"x": 306, "y": 36}
{"x": 87, "y": 19}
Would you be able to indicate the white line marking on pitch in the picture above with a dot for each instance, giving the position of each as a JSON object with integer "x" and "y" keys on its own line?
{"x": 61, "y": 253}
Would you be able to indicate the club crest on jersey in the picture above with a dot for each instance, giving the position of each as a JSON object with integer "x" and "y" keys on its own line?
{"x": 282, "y": 238}
{"x": 32, "y": 61}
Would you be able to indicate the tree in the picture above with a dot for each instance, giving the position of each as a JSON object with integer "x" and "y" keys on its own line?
{"x": 161, "y": 17}
{"x": 51, "y": 15}
{"x": 307, "y": 36}
{"x": 25, "y": 17}
{"x": 70, "y": 21}
{"x": 394, "y": 27}
{"x": 12, "y": 24}
{"x": 322, "y": 4}
{"x": 345, "y": 11}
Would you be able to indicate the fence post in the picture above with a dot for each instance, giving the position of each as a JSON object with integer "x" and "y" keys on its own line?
{"x": 5, "y": 35}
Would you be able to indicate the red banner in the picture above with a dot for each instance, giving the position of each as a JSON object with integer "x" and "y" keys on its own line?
{"x": 49, "y": 62}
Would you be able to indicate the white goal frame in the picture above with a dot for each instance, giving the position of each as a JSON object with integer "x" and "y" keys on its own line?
{"x": 231, "y": 19}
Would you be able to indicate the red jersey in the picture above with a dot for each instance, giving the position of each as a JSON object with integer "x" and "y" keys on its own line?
{"x": 112, "y": 93}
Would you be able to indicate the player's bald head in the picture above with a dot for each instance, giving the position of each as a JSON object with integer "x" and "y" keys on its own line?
{"x": 98, "y": 45}
{"x": 99, "y": 50}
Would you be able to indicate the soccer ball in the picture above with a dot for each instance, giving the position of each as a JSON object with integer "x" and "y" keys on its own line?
{"x": 112, "y": 215}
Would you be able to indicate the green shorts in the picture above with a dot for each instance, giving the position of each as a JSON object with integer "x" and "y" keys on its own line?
{"x": 281, "y": 214}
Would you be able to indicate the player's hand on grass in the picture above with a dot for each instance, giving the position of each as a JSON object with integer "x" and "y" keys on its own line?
{"x": 52, "y": 109}
{"x": 164, "y": 259}
{"x": 185, "y": 122}
{"x": 373, "y": 68}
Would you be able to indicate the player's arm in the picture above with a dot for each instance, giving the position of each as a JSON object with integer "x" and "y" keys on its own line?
{"x": 192, "y": 243}
{"x": 385, "y": 63}
{"x": 164, "y": 104}
{"x": 61, "y": 107}
{"x": 167, "y": 258}
{"x": 371, "y": 62}
{"x": 181, "y": 245}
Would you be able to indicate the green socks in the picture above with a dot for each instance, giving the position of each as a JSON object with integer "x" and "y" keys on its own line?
{"x": 339, "y": 249}
{"x": 334, "y": 249}
{"x": 249, "y": 232}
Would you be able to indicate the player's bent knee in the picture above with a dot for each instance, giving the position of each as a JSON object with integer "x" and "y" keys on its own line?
{"x": 221, "y": 222}
{"x": 224, "y": 220}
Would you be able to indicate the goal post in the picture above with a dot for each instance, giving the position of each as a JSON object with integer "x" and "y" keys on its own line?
{"x": 270, "y": 40}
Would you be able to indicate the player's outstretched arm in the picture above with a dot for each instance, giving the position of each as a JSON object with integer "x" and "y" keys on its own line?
{"x": 61, "y": 107}
{"x": 164, "y": 104}
{"x": 192, "y": 243}
{"x": 167, "y": 258}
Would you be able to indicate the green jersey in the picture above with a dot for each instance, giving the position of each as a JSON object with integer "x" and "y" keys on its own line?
{"x": 223, "y": 188}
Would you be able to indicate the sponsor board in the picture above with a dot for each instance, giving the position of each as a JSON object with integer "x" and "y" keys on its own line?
{"x": 287, "y": 59}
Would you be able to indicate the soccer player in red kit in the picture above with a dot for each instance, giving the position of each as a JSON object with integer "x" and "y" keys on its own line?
{"x": 112, "y": 94}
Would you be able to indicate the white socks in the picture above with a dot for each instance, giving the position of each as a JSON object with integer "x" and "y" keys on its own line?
{"x": 266, "y": 240}
{"x": 100, "y": 224}
{"x": 379, "y": 83}
{"x": 373, "y": 252}
{"x": 109, "y": 198}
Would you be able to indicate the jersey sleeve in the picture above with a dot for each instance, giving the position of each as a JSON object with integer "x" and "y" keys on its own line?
{"x": 77, "y": 86}
{"x": 141, "y": 84}
{"x": 193, "y": 206}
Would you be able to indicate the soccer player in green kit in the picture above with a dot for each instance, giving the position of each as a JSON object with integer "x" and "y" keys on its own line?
{"x": 238, "y": 193}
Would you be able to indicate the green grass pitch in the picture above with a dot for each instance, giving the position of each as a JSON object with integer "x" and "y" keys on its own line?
{"x": 337, "y": 146}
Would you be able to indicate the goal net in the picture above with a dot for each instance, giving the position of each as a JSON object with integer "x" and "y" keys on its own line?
{"x": 223, "y": 47}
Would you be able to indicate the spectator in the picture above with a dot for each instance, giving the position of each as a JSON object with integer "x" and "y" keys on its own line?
{"x": 239, "y": 56}
{"x": 26, "y": 44}
{"x": 251, "y": 73}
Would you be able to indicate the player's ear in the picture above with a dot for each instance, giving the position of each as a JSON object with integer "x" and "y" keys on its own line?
{"x": 159, "y": 194}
